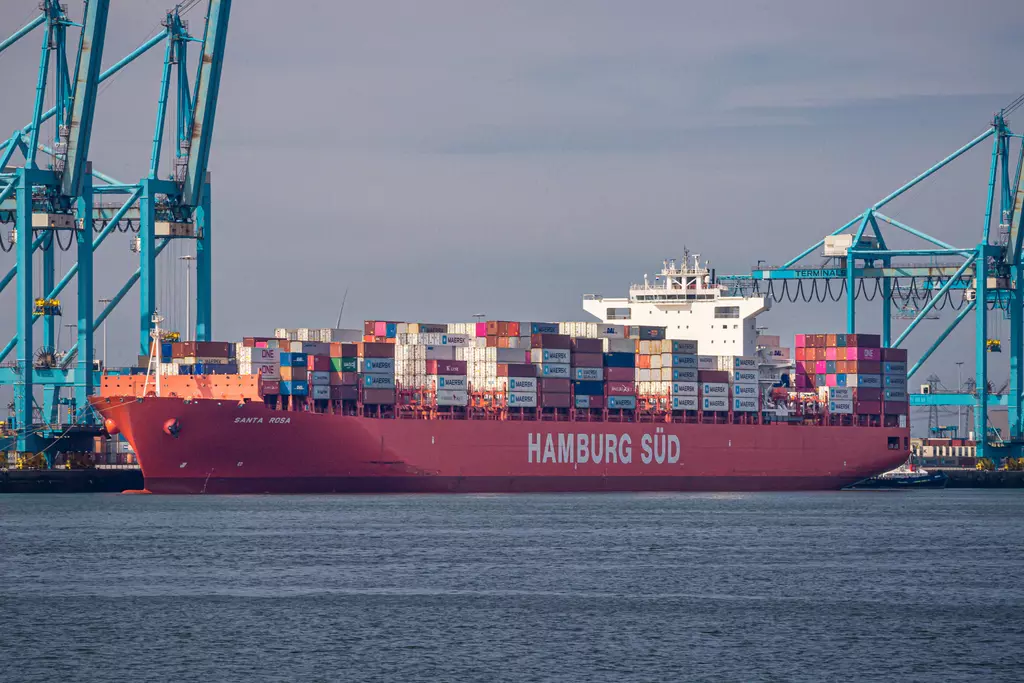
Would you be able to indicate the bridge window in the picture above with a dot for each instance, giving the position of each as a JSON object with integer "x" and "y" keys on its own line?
{"x": 727, "y": 311}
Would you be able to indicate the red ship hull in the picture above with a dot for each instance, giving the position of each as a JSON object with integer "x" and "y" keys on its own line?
{"x": 211, "y": 446}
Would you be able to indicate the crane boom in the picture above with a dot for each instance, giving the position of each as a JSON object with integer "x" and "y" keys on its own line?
{"x": 205, "y": 105}
{"x": 83, "y": 106}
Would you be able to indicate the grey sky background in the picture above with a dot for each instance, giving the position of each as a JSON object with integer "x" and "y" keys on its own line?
{"x": 451, "y": 158}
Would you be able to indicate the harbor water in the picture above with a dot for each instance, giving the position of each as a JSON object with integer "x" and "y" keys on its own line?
{"x": 881, "y": 586}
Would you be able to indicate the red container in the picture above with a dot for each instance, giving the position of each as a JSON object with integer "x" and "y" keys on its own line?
{"x": 376, "y": 350}
{"x": 801, "y": 352}
{"x": 368, "y": 327}
{"x": 492, "y": 341}
{"x": 517, "y": 370}
{"x": 447, "y": 367}
{"x": 896, "y": 408}
{"x": 620, "y": 388}
{"x": 378, "y": 396}
{"x": 819, "y": 341}
{"x": 619, "y": 374}
{"x": 841, "y": 353}
{"x": 550, "y": 341}
{"x": 344, "y": 378}
{"x": 344, "y": 350}
{"x": 587, "y": 360}
{"x": 318, "y": 363}
{"x": 830, "y": 341}
{"x": 270, "y": 387}
{"x": 555, "y": 385}
{"x": 210, "y": 349}
{"x": 894, "y": 355}
{"x": 867, "y": 394}
{"x": 718, "y": 376}
{"x": 513, "y": 329}
{"x": 868, "y": 367}
{"x": 346, "y": 392}
{"x": 867, "y": 407}
{"x": 553, "y": 400}
{"x": 492, "y": 328}
{"x": 586, "y": 345}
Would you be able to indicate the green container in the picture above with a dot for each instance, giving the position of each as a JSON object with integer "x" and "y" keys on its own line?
{"x": 344, "y": 365}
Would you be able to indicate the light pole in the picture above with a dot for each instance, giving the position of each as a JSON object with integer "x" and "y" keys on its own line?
{"x": 188, "y": 259}
{"x": 105, "y": 302}
{"x": 959, "y": 390}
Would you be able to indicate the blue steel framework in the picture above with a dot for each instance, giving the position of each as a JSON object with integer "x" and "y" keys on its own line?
{"x": 31, "y": 195}
{"x": 999, "y": 261}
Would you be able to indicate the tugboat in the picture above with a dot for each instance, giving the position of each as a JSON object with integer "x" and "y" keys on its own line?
{"x": 906, "y": 476}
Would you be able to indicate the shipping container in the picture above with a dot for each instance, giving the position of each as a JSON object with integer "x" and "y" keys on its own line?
{"x": 620, "y": 374}
{"x": 619, "y": 360}
{"x": 519, "y": 384}
{"x": 320, "y": 377}
{"x": 621, "y": 402}
{"x": 895, "y": 355}
{"x": 587, "y": 346}
{"x": 589, "y": 388}
{"x": 620, "y": 346}
{"x": 550, "y": 341}
{"x": 895, "y": 395}
{"x": 377, "y": 365}
{"x": 375, "y": 381}
{"x": 684, "y": 388}
{"x": 320, "y": 392}
{"x": 895, "y": 381}
{"x": 550, "y": 355}
{"x": 714, "y": 376}
{"x": 650, "y": 332}
{"x": 863, "y": 380}
{"x": 743, "y": 404}
{"x": 841, "y": 406}
{"x": 294, "y": 374}
{"x": 543, "y": 328}
{"x": 620, "y": 388}
{"x": 293, "y": 360}
{"x": 448, "y": 382}
{"x": 687, "y": 374}
{"x": 867, "y": 407}
{"x": 345, "y": 378}
{"x": 449, "y": 397}
{"x": 677, "y": 360}
{"x": 714, "y": 389}
{"x": 707, "y": 362}
{"x": 442, "y": 367}
{"x": 550, "y": 400}
{"x": 344, "y": 392}
{"x": 555, "y": 385}
{"x": 344, "y": 365}
{"x": 714, "y": 403}
{"x": 519, "y": 370}
{"x": 270, "y": 387}
{"x": 685, "y": 402}
{"x": 611, "y": 331}
{"x": 375, "y": 350}
{"x": 522, "y": 399}
{"x": 379, "y": 396}
{"x": 687, "y": 347}
{"x": 745, "y": 390}
{"x": 294, "y": 388}
{"x": 589, "y": 402}
{"x": 554, "y": 370}
{"x": 894, "y": 368}
{"x": 896, "y": 408}
{"x": 587, "y": 360}
{"x": 588, "y": 374}
{"x": 745, "y": 377}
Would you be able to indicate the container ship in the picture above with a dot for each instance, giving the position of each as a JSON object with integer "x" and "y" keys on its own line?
{"x": 701, "y": 402}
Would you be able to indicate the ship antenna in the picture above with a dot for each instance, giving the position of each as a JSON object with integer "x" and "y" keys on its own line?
{"x": 343, "y": 298}
{"x": 154, "y": 356}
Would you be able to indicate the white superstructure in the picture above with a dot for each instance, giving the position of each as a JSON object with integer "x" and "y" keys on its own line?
{"x": 687, "y": 300}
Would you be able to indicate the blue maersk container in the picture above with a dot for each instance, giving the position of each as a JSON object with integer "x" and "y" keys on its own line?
{"x": 588, "y": 388}
{"x": 391, "y": 330}
{"x": 295, "y": 387}
{"x": 293, "y": 360}
{"x": 619, "y": 360}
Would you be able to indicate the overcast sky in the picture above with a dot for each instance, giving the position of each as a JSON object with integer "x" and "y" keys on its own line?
{"x": 450, "y": 158}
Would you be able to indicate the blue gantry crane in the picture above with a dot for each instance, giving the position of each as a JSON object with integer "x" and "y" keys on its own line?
{"x": 984, "y": 278}
{"x": 53, "y": 207}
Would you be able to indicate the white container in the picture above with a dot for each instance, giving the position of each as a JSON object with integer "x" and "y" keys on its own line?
{"x": 744, "y": 404}
{"x": 871, "y": 381}
{"x": 841, "y": 407}
{"x": 746, "y": 390}
{"x": 611, "y": 331}
{"x": 377, "y": 365}
{"x": 619, "y": 346}
{"x": 645, "y": 375}
{"x": 656, "y": 361}
{"x": 168, "y": 369}
{"x": 309, "y": 347}
{"x": 554, "y": 370}
{"x": 744, "y": 363}
{"x": 456, "y": 339}
{"x": 451, "y": 398}
{"x": 745, "y": 377}
{"x": 522, "y": 399}
{"x": 320, "y": 377}
{"x": 683, "y": 374}
{"x": 666, "y": 375}
{"x": 375, "y": 381}
{"x": 518, "y": 384}
{"x": 684, "y": 346}
{"x": 707, "y": 362}
{"x": 678, "y": 360}
{"x": 320, "y": 391}
{"x": 840, "y": 393}
{"x": 269, "y": 371}
{"x": 715, "y": 389}
{"x": 684, "y": 388}
{"x": 263, "y": 356}
{"x": 550, "y": 355}
{"x": 685, "y": 403}
{"x": 448, "y": 382}
{"x": 714, "y": 403}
